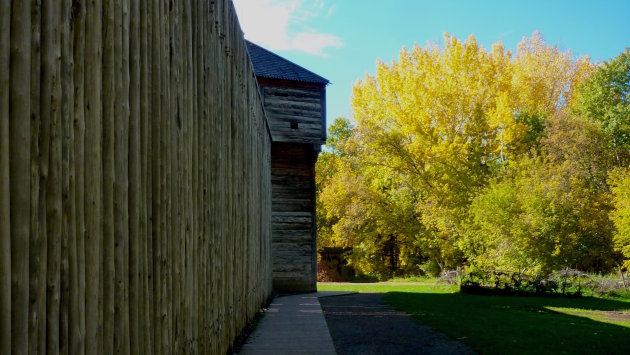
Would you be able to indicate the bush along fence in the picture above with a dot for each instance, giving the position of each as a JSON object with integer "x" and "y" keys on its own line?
{"x": 134, "y": 178}
{"x": 567, "y": 282}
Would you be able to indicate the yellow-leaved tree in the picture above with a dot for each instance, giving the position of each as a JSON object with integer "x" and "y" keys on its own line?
{"x": 438, "y": 123}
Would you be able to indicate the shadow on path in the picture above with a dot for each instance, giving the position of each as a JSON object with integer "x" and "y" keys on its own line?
{"x": 363, "y": 324}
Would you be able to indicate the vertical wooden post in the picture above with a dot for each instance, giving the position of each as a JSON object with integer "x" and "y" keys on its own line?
{"x": 121, "y": 177}
{"x": 69, "y": 275}
{"x": 93, "y": 176}
{"x": 145, "y": 104}
{"x": 65, "y": 201}
{"x": 77, "y": 335}
{"x": 111, "y": 51}
{"x": 170, "y": 126}
{"x": 174, "y": 223}
{"x": 5, "y": 186}
{"x": 19, "y": 174}
{"x": 197, "y": 191}
{"x": 51, "y": 52}
{"x": 135, "y": 184}
{"x": 156, "y": 169}
{"x": 37, "y": 257}
{"x": 167, "y": 53}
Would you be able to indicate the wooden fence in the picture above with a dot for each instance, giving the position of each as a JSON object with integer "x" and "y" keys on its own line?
{"x": 134, "y": 178}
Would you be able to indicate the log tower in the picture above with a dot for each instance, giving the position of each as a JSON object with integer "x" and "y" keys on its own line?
{"x": 294, "y": 100}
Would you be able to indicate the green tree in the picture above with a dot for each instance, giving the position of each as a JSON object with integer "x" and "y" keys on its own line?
{"x": 605, "y": 98}
{"x": 620, "y": 181}
{"x": 551, "y": 210}
{"x": 359, "y": 205}
{"x": 445, "y": 120}
{"x": 328, "y": 164}
{"x": 467, "y": 156}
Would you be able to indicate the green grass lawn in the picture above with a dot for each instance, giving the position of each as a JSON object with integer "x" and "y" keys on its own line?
{"x": 511, "y": 324}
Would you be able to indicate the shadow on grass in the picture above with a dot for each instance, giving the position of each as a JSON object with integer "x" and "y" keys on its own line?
{"x": 361, "y": 279}
{"x": 516, "y": 324}
{"x": 362, "y": 324}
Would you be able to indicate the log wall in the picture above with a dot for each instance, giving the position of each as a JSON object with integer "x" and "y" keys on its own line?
{"x": 135, "y": 188}
{"x": 293, "y": 222}
{"x": 296, "y": 113}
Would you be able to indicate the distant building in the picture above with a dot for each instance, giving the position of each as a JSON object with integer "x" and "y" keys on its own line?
{"x": 295, "y": 105}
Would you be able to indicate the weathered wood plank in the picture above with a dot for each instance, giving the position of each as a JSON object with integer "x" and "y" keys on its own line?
{"x": 68, "y": 275}
{"x": 281, "y": 117}
{"x": 19, "y": 171}
{"x": 121, "y": 180}
{"x": 51, "y": 52}
{"x": 290, "y": 103}
{"x": 39, "y": 160}
{"x": 77, "y": 313}
{"x": 135, "y": 306}
{"x": 286, "y": 107}
{"x": 5, "y": 186}
{"x": 145, "y": 297}
{"x": 285, "y": 91}
{"x": 111, "y": 51}
{"x": 93, "y": 175}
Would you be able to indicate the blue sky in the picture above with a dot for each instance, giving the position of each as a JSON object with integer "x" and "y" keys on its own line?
{"x": 342, "y": 40}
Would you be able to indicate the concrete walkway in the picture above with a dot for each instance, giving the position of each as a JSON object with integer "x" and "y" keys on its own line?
{"x": 293, "y": 324}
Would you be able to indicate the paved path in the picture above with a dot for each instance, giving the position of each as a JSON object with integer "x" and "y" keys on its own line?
{"x": 292, "y": 324}
{"x": 357, "y": 323}
{"x": 363, "y": 324}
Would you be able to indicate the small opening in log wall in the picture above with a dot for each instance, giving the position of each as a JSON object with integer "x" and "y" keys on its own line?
{"x": 294, "y": 125}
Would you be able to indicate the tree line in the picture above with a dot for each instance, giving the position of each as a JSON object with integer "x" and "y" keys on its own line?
{"x": 459, "y": 156}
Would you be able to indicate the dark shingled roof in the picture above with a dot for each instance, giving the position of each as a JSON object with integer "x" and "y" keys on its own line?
{"x": 270, "y": 65}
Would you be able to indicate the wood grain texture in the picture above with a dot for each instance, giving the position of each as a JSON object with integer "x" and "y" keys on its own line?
{"x": 135, "y": 178}
{"x": 295, "y": 114}
{"x": 93, "y": 203}
{"x": 111, "y": 49}
{"x": 293, "y": 242}
{"x": 37, "y": 252}
{"x": 51, "y": 110}
{"x": 19, "y": 171}
{"x": 77, "y": 308}
{"x": 5, "y": 186}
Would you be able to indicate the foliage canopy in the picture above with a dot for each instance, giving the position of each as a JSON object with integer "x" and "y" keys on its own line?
{"x": 462, "y": 156}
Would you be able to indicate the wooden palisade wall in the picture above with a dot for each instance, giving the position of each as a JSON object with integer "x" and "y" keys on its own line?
{"x": 134, "y": 178}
